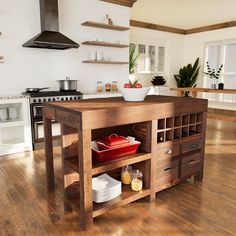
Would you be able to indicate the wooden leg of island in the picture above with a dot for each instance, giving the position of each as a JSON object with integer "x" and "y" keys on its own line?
{"x": 194, "y": 94}
{"x": 151, "y": 140}
{"x": 180, "y": 93}
{"x": 199, "y": 176}
{"x": 85, "y": 170}
{"x": 49, "y": 154}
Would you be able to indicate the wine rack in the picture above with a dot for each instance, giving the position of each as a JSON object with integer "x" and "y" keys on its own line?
{"x": 177, "y": 127}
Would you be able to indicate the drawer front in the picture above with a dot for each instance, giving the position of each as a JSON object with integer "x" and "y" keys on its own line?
{"x": 191, "y": 145}
{"x": 167, "y": 173}
{"x": 168, "y": 152}
{"x": 190, "y": 164}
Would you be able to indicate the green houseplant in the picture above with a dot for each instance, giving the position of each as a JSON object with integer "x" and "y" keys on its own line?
{"x": 132, "y": 59}
{"x": 187, "y": 76}
{"x": 132, "y": 65}
{"x": 213, "y": 74}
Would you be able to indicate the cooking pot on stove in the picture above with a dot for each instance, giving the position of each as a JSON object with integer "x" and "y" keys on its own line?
{"x": 67, "y": 84}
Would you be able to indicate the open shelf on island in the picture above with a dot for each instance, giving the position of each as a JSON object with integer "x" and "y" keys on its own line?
{"x": 105, "y": 44}
{"x": 106, "y": 62}
{"x": 105, "y": 26}
{"x": 126, "y": 197}
{"x": 102, "y": 167}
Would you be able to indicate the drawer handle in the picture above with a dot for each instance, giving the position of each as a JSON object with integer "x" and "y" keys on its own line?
{"x": 169, "y": 152}
{"x": 193, "y": 145}
{"x": 192, "y": 162}
{"x": 168, "y": 169}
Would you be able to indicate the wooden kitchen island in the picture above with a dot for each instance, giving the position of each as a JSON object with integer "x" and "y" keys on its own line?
{"x": 172, "y": 135}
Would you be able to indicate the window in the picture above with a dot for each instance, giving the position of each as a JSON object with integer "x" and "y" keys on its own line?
{"x": 151, "y": 57}
{"x": 217, "y": 53}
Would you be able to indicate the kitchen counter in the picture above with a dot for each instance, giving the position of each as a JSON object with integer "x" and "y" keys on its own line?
{"x": 11, "y": 96}
{"x": 101, "y": 95}
{"x": 171, "y": 130}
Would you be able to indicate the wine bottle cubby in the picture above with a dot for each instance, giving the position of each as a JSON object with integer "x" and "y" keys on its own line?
{"x": 173, "y": 128}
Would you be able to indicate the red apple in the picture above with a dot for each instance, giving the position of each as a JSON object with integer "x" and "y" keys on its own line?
{"x": 138, "y": 85}
{"x": 127, "y": 85}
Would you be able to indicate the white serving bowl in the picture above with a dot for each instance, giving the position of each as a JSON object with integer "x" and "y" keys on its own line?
{"x": 134, "y": 94}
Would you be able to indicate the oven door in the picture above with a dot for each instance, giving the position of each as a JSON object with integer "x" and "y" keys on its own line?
{"x": 39, "y": 130}
{"x": 37, "y": 112}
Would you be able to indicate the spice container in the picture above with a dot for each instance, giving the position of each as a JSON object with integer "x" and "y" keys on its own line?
{"x": 108, "y": 87}
{"x": 126, "y": 174}
{"x": 99, "y": 86}
{"x": 137, "y": 180}
{"x": 114, "y": 87}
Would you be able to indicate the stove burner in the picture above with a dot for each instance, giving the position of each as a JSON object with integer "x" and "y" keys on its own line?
{"x": 52, "y": 93}
{"x": 49, "y": 96}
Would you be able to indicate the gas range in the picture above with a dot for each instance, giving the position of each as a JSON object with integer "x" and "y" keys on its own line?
{"x": 49, "y": 96}
{"x": 36, "y": 110}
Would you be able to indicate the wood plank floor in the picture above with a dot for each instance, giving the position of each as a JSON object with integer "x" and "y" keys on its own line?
{"x": 207, "y": 208}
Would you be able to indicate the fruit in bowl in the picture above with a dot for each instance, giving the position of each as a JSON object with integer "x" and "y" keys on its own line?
{"x": 134, "y": 92}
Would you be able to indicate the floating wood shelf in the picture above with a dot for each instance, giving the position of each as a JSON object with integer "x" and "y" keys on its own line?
{"x": 98, "y": 167}
{"x": 105, "y": 44}
{"x": 127, "y": 3}
{"x": 126, "y": 197}
{"x": 106, "y": 62}
{"x": 105, "y": 26}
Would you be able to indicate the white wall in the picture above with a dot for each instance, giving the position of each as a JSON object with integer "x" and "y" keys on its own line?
{"x": 27, "y": 67}
{"x": 174, "y": 53}
{"x": 194, "y": 45}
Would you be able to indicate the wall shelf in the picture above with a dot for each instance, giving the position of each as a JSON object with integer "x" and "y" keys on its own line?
{"x": 105, "y": 44}
{"x": 126, "y": 3}
{"x": 106, "y": 62}
{"x": 105, "y": 26}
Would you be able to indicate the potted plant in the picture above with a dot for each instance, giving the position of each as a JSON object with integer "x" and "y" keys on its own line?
{"x": 213, "y": 74}
{"x": 132, "y": 64}
{"x": 187, "y": 76}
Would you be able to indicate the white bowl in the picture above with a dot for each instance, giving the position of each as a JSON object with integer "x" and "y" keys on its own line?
{"x": 134, "y": 94}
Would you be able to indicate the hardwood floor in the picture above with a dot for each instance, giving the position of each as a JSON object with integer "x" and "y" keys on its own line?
{"x": 207, "y": 208}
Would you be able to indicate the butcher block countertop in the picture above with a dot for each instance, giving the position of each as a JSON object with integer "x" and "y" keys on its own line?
{"x": 94, "y": 111}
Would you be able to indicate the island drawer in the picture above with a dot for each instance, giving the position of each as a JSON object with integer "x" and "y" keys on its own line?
{"x": 191, "y": 145}
{"x": 190, "y": 164}
{"x": 168, "y": 152}
{"x": 167, "y": 173}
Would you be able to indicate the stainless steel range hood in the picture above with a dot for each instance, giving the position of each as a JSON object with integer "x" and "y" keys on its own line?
{"x": 50, "y": 37}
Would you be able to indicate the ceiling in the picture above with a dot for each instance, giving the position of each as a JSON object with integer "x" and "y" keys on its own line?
{"x": 184, "y": 14}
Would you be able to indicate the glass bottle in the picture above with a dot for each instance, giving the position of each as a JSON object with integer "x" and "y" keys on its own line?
{"x": 137, "y": 180}
{"x": 126, "y": 174}
{"x": 114, "y": 87}
{"x": 99, "y": 86}
{"x": 108, "y": 87}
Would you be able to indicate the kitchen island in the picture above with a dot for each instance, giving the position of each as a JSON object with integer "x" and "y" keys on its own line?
{"x": 171, "y": 130}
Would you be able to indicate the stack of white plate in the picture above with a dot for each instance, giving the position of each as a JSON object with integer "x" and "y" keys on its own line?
{"x": 105, "y": 188}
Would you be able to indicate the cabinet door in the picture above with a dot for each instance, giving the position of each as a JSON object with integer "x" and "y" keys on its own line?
{"x": 151, "y": 58}
{"x": 161, "y": 59}
{"x": 167, "y": 173}
{"x": 142, "y": 58}
{"x": 167, "y": 164}
{"x": 190, "y": 164}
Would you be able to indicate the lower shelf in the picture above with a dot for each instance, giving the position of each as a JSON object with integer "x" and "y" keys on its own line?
{"x": 126, "y": 197}
{"x": 99, "y": 167}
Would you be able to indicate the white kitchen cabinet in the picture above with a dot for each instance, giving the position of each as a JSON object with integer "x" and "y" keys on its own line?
{"x": 151, "y": 57}
{"x": 15, "y": 129}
